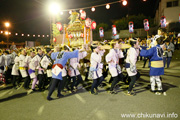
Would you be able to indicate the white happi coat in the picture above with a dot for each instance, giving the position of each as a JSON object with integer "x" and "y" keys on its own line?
{"x": 8, "y": 59}
{"x": 15, "y": 67}
{"x": 32, "y": 66}
{"x": 13, "y": 56}
{"x": 131, "y": 58}
{"x": 22, "y": 66}
{"x": 64, "y": 71}
{"x": 112, "y": 58}
{"x": 28, "y": 60}
{"x": 74, "y": 64}
{"x": 2, "y": 62}
{"x": 36, "y": 62}
{"x": 95, "y": 61}
{"x": 45, "y": 62}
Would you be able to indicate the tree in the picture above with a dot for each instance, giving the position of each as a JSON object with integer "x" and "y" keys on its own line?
{"x": 122, "y": 23}
{"x": 104, "y": 25}
{"x": 55, "y": 31}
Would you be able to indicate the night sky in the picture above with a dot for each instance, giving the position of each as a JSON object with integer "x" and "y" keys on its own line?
{"x": 31, "y": 16}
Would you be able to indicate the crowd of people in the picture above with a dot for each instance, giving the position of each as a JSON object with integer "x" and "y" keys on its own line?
{"x": 48, "y": 67}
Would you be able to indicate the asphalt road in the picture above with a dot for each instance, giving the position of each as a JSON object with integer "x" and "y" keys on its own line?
{"x": 18, "y": 105}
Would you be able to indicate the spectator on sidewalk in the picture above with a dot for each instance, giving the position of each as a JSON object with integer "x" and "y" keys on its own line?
{"x": 168, "y": 52}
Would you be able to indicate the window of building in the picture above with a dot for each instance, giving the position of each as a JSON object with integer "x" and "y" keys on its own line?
{"x": 169, "y": 4}
{"x": 172, "y": 3}
{"x": 175, "y": 3}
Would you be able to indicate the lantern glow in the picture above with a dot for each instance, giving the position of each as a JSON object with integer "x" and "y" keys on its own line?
{"x": 80, "y": 10}
{"x": 107, "y": 6}
{"x": 124, "y": 2}
{"x": 93, "y": 9}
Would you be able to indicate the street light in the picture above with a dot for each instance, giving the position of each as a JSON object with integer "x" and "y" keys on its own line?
{"x": 7, "y": 24}
{"x": 54, "y": 8}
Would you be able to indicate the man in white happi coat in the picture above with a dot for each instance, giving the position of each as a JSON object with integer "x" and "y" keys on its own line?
{"x": 46, "y": 63}
{"x": 112, "y": 58}
{"x": 31, "y": 68}
{"x": 15, "y": 73}
{"x": 36, "y": 61}
{"x": 73, "y": 69}
{"x": 131, "y": 59}
{"x": 2, "y": 65}
{"x": 8, "y": 60}
{"x": 96, "y": 67}
{"x": 23, "y": 68}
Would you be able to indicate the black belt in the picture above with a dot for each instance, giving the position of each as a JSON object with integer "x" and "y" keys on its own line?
{"x": 2, "y": 67}
{"x": 127, "y": 65}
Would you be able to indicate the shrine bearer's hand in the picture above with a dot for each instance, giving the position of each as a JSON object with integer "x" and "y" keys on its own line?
{"x": 41, "y": 69}
{"x": 82, "y": 50}
{"x": 6, "y": 68}
{"x": 78, "y": 65}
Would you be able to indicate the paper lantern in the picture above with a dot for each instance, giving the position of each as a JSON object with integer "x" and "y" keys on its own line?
{"x": 114, "y": 31}
{"x": 131, "y": 27}
{"x": 54, "y": 39}
{"x": 124, "y": 2}
{"x": 88, "y": 22}
{"x": 101, "y": 32}
{"x": 82, "y": 35}
{"x": 93, "y": 9}
{"x": 163, "y": 22}
{"x": 70, "y": 36}
{"x": 59, "y": 26}
{"x": 83, "y": 15}
{"x": 146, "y": 25}
{"x": 93, "y": 25}
{"x": 107, "y": 6}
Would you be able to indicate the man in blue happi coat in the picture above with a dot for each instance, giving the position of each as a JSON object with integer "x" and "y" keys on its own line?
{"x": 155, "y": 55}
{"x": 60, "y": 59}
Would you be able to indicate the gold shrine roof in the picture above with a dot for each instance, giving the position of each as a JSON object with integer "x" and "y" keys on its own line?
{"x": 77, "y": 25}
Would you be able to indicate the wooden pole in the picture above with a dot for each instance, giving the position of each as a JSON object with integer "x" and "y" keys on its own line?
{"x": 147, "y": 34}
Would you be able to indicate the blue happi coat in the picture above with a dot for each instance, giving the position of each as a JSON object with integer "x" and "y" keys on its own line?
{"x": 62, "y": 60}
{"x": 154, "y": 54}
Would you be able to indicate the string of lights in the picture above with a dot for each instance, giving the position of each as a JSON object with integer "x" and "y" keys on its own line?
{"x": 93, "y": 8}
{"x": 124, "y": 3}
{"x": 22, "y": 34}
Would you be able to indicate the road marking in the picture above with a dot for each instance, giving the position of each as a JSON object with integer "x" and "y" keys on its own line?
{"x": 80, "y": 98}
{"x": 40, "y": 110}
{"x": 96, "y": 111}
{"x": 10, "y": 92}
{"x": 101, "y": 115}
{"x": 4, "y": 93}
